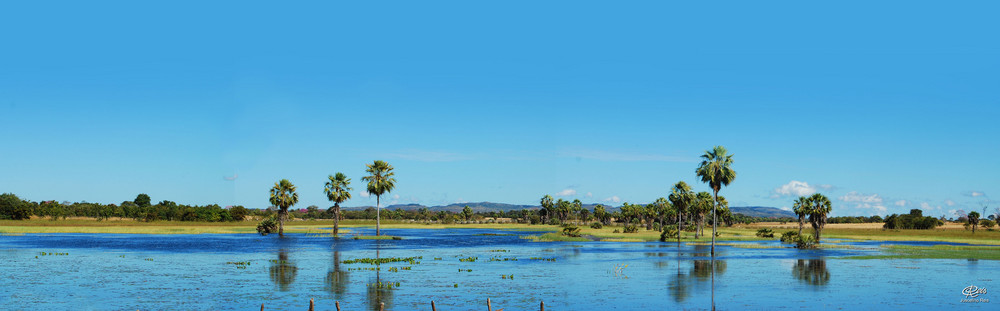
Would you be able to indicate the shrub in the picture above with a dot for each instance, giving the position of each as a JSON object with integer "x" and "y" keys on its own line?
{"x": 617, "y": 231}
{"x": 805, "y": 241}
{"x": 554, "y": 221}
{"x": 790, "y": 236}
{"x": 571, "y": 231}
{"x": 668, "y": 233}
{"x": 631, "y": 229}
{"x": 269, "y": 225}
{"x": 596, "y": 225}
{"x": 988, "y": 224}
{"x": 765, "y": 233}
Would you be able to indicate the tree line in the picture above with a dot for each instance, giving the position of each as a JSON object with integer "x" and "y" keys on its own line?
{"x": 12, "y": 207}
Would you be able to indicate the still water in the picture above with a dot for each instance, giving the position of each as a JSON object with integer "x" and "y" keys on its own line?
{"x": 201, "y": 272}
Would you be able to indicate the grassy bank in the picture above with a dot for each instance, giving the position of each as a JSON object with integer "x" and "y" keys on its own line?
{"x": 949, "y": 233}
{"x": 936, "y": 252}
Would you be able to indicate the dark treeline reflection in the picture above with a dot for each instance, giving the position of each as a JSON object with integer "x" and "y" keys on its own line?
{"x": 811, "y": 271}
{"x": 283, "y": 271}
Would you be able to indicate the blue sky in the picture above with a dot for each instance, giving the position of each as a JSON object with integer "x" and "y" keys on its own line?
{"x": 881, "y": 106}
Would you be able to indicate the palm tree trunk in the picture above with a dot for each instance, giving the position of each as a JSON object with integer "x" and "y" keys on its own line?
{"x": 714, "y": 220}
{"x": 378, "y": 217}
{"x": 336, "y": 219}
{"x": 800, "y": 225}
{"x": 281, "y": 222}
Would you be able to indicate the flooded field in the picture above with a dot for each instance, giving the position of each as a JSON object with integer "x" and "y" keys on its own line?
{"x": 460, "y": 268}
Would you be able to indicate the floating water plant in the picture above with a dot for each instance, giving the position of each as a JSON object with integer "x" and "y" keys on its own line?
{"x": 379, "y": 261}
{"x": 499, "y": 251}
{"x": 543, "y": 259}
{"x": 52, "y": 254}
{"x": 384, "y": 285}
{"x": 498, "y": 258}
{"x": 239, "y": 264}
{"x": 464, "y": 270}
{"x": 507, "y": 276}
{"x": 468, "y": 259}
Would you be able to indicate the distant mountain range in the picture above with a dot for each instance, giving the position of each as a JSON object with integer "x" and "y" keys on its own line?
{"x": 754, "y": 211}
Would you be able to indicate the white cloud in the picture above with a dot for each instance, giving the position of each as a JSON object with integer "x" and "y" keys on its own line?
{"x": 794, "y": 188}
{"x": 603, "y": 155}
{"x": 949, "y": 202}
{"x": 613, "y": 199}
{"x": 363, "y": 193}
{"x": 395, "y": 196}
{"x": 590, "y": 195}
{"x": 900, "y": 203}
{"x": 924, "y": 206}
{"x": 864, "y": 201}
{"x": 785, "y": 208}
{"x": 566, "y": 193}
{"x": 974, "y": 194}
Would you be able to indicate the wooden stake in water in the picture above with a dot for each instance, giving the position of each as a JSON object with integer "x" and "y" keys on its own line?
{"x": 312, "y": 306}
{"x": 338, "y": 305}
{"x": 433, "y": 308}
{"x": 381, "y": 306}
{"x": 489, "y": 306}
{"x": 261, "y": 307}
{"x": 543, "y": 306}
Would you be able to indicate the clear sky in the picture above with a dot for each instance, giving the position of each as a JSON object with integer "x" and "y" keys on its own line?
{"x": 882, "y": 106}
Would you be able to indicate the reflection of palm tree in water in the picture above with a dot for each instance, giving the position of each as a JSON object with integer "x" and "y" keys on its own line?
{"x": 703, "y": 268}
{"x": 378, "y": 295}
{"x": 812, "y": 272}
{"x": 336, "y": 279}
{"x": 283, "y": 271}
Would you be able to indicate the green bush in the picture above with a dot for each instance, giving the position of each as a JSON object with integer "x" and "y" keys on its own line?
{"x": 571, "y": 231}
{"x": 805, "y": 241}
{"x": 596, "y": 225}
{"x": 790, "y": 236}
{"x": 554, "y": 221}
{"x": 765, "y": 233}
{"x": 267, "y": 226}
{"x": 988, "y": 224}
{"x": 631, "y": 229}
{"x": 617, "y": 231}
{"x": 668, "y": 233}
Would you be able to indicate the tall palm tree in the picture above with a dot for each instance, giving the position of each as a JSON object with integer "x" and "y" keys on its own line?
{"x": 716, "y": 169}
{"x": 380, "y": 181}
{"x": 547, "y": 207}
{"x": 662, "y": 210}
{"x": 338, "y": 189}
{"x": 801, "y": 208}
{"x": 973, "y": 220}
{"x": 703, "y": 204}
{"x": 820, "y": 207}
{"x": 681, "y": 197}
{"x": 283, "y": 196}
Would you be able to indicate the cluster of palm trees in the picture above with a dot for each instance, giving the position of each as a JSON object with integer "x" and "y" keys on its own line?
{"x": 338, "y": 189}
{"x": 561, "y": 209}
{"x": 816, "y": 208}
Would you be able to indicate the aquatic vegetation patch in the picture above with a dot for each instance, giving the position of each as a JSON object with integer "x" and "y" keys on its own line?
{"x": 496, "y": 234}
{"x": 379, "y": 261}
{"x": 384, "y": 285}
{"x": 507, "y": 276}
{"x": 377, "y": 237}
{"x": 239, "y": 264}
{"x": 498, "y": 258}
{"x": 936, "y": 252}
{"x": 622, "y": 240}
{"x": 553, "y": 259}
{"x": 468, "y": 259}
